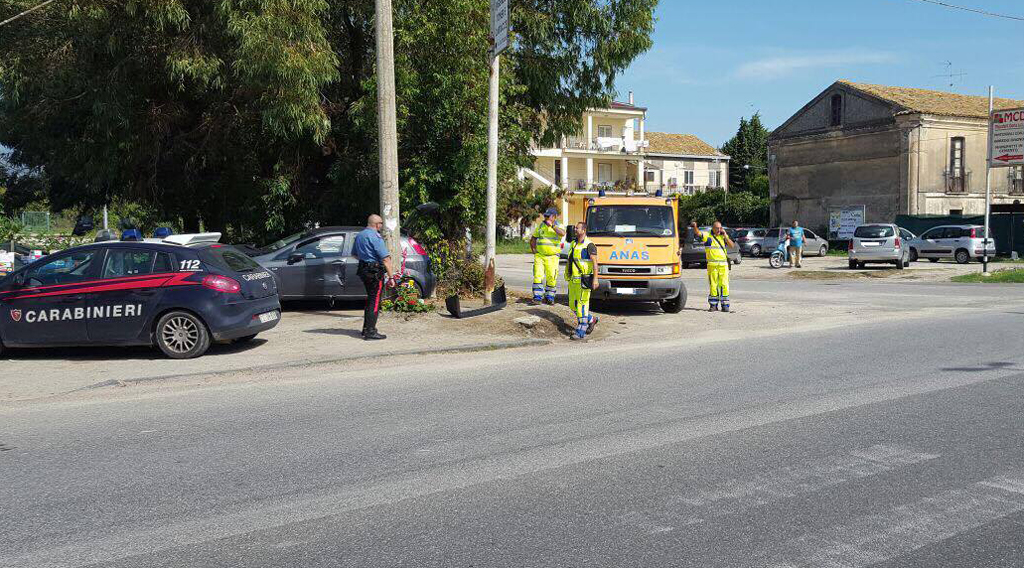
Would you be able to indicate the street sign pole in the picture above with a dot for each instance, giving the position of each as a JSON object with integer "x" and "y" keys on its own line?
{"x": 499, "y": 40}
{"x": 988, "y": 184}
{"x": 1005, "y": 150}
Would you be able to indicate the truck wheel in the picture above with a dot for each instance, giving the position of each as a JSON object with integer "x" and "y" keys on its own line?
{"x": 181, "y": 335}
{"x": 675, "y": 305}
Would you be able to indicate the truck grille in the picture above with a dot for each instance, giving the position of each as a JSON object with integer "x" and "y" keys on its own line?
{"x": 629, "y": 270}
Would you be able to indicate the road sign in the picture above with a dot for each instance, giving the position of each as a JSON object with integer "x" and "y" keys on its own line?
{"x": 1006, "y": 138}
{"x": 499, "y": 25}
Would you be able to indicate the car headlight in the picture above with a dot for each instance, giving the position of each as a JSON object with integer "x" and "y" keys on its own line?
{"x": 666, "y": 269}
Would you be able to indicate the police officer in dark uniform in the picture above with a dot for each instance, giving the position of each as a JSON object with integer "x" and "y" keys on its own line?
{"x": 374, "y": 269}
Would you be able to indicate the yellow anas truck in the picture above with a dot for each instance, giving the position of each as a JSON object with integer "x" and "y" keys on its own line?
{"x": 637, "y": 238}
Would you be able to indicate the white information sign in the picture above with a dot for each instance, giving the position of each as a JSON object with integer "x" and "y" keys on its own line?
{"x": 499, "y": 25}
{"x": 1006, "y": 138}
{"x": 842, "y": 221}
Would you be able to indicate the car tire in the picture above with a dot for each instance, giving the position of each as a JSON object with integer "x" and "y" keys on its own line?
{"x": 962, "y": 256}
{"x": 675, "y": 305}
{"x": 853, "y": 265}
{"x": 913, "y": 255}
{"x": 755, "y": 251}
{"x": 933, "y": 260}
{"x": 899, "y": 264}
{"x": 823, "y": 251}
{"x": 181, "y": 335}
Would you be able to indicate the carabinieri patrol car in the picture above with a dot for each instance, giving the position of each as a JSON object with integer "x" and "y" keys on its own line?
{"x": 180, "y": 294}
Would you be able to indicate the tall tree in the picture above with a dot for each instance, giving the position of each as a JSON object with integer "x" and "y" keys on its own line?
{"x": 748, "y": 149}
{"x": 256, "y": 116}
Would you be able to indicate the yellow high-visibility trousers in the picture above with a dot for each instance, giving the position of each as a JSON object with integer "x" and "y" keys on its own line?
{"x": 579, "y": 303}
{"x": 545, "y": 276}
{"x": 718, "y": 283}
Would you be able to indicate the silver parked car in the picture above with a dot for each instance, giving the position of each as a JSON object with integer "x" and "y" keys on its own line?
{"x": 881, "y": 243}
{"x": 958, "y": 242}
{"x": 813, "y": 244}
{"x": 751, "y": 241}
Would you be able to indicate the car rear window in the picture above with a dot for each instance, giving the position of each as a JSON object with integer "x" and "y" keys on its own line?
{"x": 229, "y": 258}
{"x": 742, "y": 233}
{"x": 874, "y": 232}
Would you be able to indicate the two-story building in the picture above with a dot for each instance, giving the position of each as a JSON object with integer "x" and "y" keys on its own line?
{"x": 614, "y": 153}
{"x": 885, "y": 151}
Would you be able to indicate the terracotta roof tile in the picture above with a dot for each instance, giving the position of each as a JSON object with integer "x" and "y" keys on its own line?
{"x": 933, "y": 102}
{"x": 679, "y": 145}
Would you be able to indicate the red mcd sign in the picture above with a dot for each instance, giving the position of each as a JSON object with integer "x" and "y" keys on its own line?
{"x": 1006, "y": 138}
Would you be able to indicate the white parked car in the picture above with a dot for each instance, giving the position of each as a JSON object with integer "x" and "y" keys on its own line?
{"x": 958, "y": 242}
{"x": 881, "y": 243}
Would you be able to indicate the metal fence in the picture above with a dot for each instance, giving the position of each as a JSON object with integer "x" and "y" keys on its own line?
{"x": 36, "y": 221}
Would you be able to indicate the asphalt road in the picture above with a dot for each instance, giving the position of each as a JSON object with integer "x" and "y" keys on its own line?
{"x": 886, "y": 444}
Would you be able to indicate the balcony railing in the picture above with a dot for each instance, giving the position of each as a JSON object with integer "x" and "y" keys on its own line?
{"x": 1016, "y": 183}
{"x": 958, "y": 183}
{"x": 615, "y": 145}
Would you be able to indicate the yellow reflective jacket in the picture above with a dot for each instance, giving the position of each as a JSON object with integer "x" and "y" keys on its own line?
{"x": 548, "y": 241}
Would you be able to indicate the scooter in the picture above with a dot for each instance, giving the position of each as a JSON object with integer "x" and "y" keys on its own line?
{"x": 780, "y": 255}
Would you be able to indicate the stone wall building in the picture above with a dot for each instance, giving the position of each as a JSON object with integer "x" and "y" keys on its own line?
{"x": 890, "y": 150}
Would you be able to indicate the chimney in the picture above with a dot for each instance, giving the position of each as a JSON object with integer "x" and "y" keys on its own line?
{"x": 631, "y": 97}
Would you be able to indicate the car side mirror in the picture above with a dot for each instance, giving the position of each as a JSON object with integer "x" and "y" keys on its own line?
{"x": 570, "y": 234}
{"x": 296, "y": 257}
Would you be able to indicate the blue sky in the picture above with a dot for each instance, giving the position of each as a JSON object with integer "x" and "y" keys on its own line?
{"x": 714, "y": 62}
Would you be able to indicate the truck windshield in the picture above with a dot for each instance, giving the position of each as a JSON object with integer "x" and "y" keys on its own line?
{"x": 630, "y": 221}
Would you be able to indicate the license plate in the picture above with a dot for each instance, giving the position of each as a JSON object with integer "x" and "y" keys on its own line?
{"x": 268, "y": 317}
{"x": 871, "y": 244}
{"x": 625, "y": 291}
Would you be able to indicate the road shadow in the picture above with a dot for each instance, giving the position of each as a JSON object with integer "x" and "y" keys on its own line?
{"x": 552, "y": 317}
{"x": 337, "y": 331}
{"x": 133, "y": 353}
{"x": 996, "y": 366}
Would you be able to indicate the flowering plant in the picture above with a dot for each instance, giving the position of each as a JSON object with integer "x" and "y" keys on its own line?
{"x": 405, "y": 298}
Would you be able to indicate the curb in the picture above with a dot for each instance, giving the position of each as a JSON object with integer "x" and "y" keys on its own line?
{"x": 472, "y": 348}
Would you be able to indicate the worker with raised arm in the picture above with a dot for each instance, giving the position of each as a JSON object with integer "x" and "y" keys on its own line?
{"x": 546, "y": 246}
{"x": 716, "y": 253}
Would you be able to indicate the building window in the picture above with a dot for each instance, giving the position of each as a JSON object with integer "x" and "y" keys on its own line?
{"x": 558, "y": 173}
{"x": 837, "y": 110}
{"x": 604, "y": 173}
{"x": 649, "y": 177}
{"x": 957, "y": 166}
{"x": 688, "y": 180}
{"x": 714, "y": 178}
{"x": 956, "y": 212}
{"x": 1017, "y": 180}
{"x": 604, "y": 131}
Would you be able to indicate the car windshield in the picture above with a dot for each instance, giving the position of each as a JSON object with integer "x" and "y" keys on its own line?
{"x": 278, "y": 245}
{"x": 874, "y": 232}
{"x": 631, "y": 221}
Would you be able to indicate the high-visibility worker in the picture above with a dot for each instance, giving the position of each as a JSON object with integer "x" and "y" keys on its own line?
{"x": 581, "y": 272}
{"x": 716, "y": 253}
{"x": 546, "y": 246}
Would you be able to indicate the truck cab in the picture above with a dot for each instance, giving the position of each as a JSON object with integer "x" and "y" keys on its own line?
{"x": 638, "y": 249}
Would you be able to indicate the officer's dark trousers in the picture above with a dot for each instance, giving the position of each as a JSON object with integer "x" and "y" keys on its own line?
{"x": 373, "y": 279}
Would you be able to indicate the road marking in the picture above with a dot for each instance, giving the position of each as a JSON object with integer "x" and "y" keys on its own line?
{"x": 764, "y": 488}
{"x": 872, "y": 539}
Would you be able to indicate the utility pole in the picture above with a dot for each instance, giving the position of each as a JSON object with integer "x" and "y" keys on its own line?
{"x": 388, "y": 130}
{"x": 492, "y": 168}
{"x": 988, "y": 184}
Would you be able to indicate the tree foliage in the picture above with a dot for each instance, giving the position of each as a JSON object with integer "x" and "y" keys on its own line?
{"x": 748, "y": 147}
{"x": 732, "y": 209}
{"x": 255, "y": 117}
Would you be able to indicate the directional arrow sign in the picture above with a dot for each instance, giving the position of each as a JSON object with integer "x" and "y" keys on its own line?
{"x": 1006, "y": 138}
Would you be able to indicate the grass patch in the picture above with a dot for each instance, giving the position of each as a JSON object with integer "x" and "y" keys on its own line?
{"x": 837, "y": 252}
{"x": 514, "y": 246}
{"x": 1005, "y": 276}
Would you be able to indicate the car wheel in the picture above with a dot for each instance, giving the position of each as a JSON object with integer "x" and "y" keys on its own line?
{"x": 181, "y": 335}
{"x": 853, "y": 265}
{"x": 962, "y": 256}
{"x": 823, "y": 250}
{"x": 755, "y": 251}
{"x": 899, "y": 264}
{"x": 675, "y": 305}
{"x": 913, "y": 255}
{"x": 933, "y": 260}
